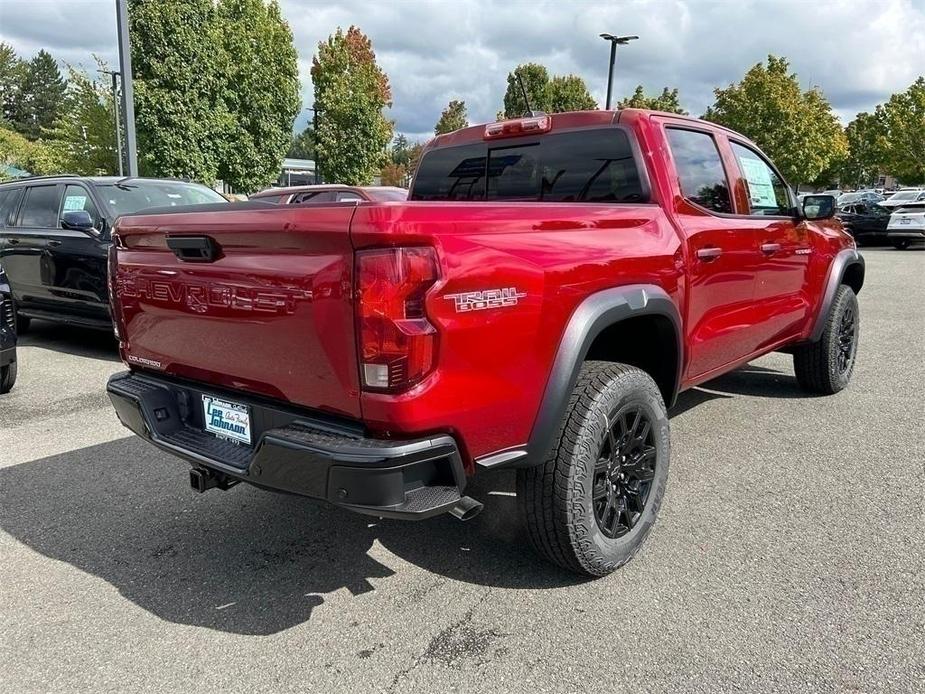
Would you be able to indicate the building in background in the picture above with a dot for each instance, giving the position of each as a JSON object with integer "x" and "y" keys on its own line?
{"x": 297, "y": 172}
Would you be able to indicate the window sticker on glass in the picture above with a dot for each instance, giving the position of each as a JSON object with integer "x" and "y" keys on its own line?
{"x": 74, "y": 202}
{"x": 760, "y": 187}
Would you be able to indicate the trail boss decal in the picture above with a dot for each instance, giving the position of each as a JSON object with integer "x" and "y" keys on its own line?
{"x": 487, "y": 298}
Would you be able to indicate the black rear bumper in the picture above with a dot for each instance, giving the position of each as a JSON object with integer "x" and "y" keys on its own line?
{"x": 295, "y": 451}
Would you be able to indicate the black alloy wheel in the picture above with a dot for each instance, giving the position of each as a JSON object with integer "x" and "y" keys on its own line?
{"x": 847, "y": 338}
{"x": 624, "y": 471}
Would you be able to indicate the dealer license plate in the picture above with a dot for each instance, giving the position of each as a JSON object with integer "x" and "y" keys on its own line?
{"x": 229, "y": 420}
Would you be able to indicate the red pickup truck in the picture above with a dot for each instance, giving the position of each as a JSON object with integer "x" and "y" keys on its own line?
{"x": 549, "y": 287}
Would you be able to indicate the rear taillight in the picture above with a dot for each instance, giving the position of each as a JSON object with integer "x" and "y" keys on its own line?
{"x": 397, "y": 343}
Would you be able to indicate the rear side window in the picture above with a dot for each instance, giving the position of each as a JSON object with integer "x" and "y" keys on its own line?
{"x": 9, "y": 199}
{"x": 585, "y": 166}
{"x": 767, "y": 193}
{"x": 40, "y": 208}
{"x": 700, "y": 169}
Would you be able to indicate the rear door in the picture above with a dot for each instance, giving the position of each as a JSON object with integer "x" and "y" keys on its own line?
{"x": 783, "y": 244}
{"x": 722, "y": 256}
{"x": 25, "y": 253}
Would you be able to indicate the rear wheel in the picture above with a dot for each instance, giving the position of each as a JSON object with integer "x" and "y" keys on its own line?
{"x": 901, "y": 244}
{"x": 7, "y": 377}
{"x": 591, "y": 505}
{"x": 826, "y": 366}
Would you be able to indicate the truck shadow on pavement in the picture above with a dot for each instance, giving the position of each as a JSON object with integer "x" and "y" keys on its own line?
{"x": 244, "y": 561}
{"x": 248, "y": 561}
{"x": 80, "y": 342}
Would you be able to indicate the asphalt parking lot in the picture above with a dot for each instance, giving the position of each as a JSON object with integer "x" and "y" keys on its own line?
{"x": 789, "y": 555}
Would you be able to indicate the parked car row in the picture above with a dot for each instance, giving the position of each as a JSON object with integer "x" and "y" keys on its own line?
{"x": 870, "y": 217}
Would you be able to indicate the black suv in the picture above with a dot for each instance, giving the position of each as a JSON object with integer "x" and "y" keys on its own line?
{"x": 54, "y": 236}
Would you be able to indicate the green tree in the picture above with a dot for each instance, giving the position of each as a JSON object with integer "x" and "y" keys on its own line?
{"x": 16, "y": 150}
{"x": 402, "y": 161}
{"x": 40, "y": 96}
{"x": 351, "y": 91}
{"x": 11, "y": 76}
{"x": 902, "y": 119}
{"x": 568, "y": 93}
{"x": 179, "y": 68}
{"x": 452, "y": 118}
{"x": 535, "y": 80}
{"x": 400, "y": 153}
{"x": 667, "y": 101}
{"x": 865, "y": 156}
{"x": 82, "y": 139}
{"x": 798, "y": 130}
{"x": 302, "y": 145}
{"x": 261, "y": 92}
{"x": 550, "y": 95}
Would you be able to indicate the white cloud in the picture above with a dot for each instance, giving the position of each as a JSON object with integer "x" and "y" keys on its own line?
{"x": 858, "y": 53}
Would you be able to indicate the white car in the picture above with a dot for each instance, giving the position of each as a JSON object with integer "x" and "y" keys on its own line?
{"x": 903, "y": 196}
{"x": 907, "y": 224}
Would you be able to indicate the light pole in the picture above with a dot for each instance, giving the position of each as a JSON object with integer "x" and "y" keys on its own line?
{"x": 315, "y": 112}
{"x": 128, "y": 99}
{"x": 115, "y": 109}
{"x": 614, "y": 42}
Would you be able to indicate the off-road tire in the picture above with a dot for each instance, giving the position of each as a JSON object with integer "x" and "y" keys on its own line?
{"x": 7, "y": 377}
{"x": 818, "y": 366}
{"x": 556, "y": 496}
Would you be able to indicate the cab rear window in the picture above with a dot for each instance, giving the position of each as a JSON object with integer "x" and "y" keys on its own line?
{"x": 582, "y": 166}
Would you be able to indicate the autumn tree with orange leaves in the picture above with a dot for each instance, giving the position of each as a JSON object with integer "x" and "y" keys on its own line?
{"x": 351, "y": 91}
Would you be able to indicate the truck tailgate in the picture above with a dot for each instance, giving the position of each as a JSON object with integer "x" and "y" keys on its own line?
{"x": 270, "y": 313}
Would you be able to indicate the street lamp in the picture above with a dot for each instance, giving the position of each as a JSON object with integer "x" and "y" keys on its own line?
{"x": 614, "y": 41}
{"x": 128, "y": 99}
{"x": 315, "y": 112}
{"x": 114, "y": 74}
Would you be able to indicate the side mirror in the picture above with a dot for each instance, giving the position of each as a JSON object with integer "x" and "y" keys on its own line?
{"x": 818, "y": 206}
{"x": 78, "y": 220}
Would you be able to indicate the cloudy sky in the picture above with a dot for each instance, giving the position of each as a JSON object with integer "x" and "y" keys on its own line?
{"x": 858, "y": 52}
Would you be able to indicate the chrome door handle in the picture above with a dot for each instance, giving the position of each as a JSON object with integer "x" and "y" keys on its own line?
{"x": 770, "y": 248}
{"x": 708, "y": 255}
{"x": 54, "y": 243}
{"x": 13, "y": 241}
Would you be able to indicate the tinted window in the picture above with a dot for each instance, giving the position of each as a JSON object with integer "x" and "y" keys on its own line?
{"x": 139, "y": 194}
{"x": 9, "y": 199}
{"x": 587, "y": 166}
{"x": 700, "y": 169}
{"x": 315, "y": 196}
{"x": 40, "y": 208}
{"x": 78, "y": 198}
{"x": 347, "y": 197}
{"x": 767, "y": 193}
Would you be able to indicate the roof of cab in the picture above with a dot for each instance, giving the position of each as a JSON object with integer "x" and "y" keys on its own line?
{"x": 571, "y": 119}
